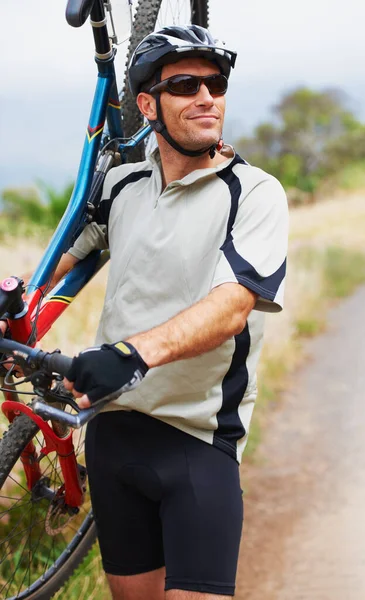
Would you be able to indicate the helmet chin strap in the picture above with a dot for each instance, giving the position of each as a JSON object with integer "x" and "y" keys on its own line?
{"x": 159, "y": 126}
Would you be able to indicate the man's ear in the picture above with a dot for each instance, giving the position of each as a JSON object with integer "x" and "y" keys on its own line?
{"x": 147, "y": 105}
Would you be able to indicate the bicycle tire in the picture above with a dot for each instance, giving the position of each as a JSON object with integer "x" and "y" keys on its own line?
{"x": 145, "y": 20}
{"x": 58, "y": 569}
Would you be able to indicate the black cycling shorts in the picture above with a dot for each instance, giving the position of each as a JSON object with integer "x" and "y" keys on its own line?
{"x": 163, "y": 497}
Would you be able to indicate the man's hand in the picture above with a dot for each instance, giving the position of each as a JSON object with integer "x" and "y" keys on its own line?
{"x": 105, "y": 372}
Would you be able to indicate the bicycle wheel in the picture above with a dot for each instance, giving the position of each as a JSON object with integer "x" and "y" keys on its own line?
{"x": 151, "y": 15}
{"x": 41, "y": 544}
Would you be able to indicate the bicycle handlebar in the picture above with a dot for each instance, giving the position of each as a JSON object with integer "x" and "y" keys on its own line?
{"x": 33, "y": 359}
{"x": 57, "y": 363}
{"x": 75, "y": 421}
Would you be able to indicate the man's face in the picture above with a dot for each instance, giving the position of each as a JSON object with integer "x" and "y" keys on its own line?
{"x": 193, "y": 121}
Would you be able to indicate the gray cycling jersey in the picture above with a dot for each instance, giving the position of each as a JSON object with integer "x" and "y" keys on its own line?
{"x": 168, "y": 250}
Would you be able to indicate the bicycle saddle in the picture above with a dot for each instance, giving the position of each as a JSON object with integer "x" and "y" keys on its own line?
{"x": 77, "y": 11}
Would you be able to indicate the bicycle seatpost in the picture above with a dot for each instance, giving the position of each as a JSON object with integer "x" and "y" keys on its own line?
{"x": 77, "y": 11}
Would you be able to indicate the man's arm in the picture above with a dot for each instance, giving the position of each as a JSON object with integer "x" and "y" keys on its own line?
{"x": 67, "y": 262}
{"x": 198, "y": 329}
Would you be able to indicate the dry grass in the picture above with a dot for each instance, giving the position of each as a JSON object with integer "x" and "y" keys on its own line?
{"x": 338, "y": 223}
{"x": 326, "y": 261}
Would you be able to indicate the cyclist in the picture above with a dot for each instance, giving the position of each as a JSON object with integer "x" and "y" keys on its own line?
{"x": 198, "y": 242}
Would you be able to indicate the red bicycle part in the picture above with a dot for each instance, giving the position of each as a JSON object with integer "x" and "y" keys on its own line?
{"x": 29, "y": 458}
{"x": 21, "y": 329}
{"x": 74, "y": 494}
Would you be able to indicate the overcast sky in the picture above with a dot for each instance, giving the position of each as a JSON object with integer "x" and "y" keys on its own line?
{"x": 48, "y": 73}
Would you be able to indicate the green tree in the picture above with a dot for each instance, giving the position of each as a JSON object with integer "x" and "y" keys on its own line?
{"x": 301, "y": 146}
{"x": 347, "y": 148}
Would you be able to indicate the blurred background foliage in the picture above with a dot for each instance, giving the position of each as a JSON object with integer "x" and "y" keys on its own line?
{"x": 40, "y": 205}
{"x": 312, "y": 145}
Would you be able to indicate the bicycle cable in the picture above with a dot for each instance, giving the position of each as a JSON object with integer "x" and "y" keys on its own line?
{"x": 116, "y": 139}
{"x": 38, "y": 307}
{"x": 16, "y": 392}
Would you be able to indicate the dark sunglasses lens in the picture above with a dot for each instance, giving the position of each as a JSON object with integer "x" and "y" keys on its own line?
{"x": 190, "y": 84}
{"x": 181, "y": 85}
{"x": 216, "y": 84}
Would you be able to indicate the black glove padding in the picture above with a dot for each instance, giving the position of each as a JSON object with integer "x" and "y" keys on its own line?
{"x": 106, "y": 371}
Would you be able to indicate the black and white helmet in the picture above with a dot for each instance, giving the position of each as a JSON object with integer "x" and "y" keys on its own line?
{"x": 172, "y": 44}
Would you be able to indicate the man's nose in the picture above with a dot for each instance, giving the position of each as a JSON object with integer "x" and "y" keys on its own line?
{"x": 204, "y": 96}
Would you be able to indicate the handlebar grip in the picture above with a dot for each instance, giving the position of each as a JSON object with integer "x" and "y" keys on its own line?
{"x": 58, "y": 363}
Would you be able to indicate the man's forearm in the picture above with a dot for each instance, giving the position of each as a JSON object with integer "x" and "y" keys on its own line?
{"x": 67, "y": 262}
{"x": 198, "y": 329}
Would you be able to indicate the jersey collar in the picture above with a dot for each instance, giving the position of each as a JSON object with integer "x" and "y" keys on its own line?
{"x": 227, "y": 151}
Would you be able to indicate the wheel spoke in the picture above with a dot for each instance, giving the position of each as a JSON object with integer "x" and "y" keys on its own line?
{"x": 51, "y": 468}
{"x": 51, "y": 462}
{"x": 26, "y": 543}
{"x": 8, "y": 498}
{"x": 14, "y": 507}
{"x": 17, "y": 534}
{"x": 18, "y": 483}
{"x": 17, "y": 565}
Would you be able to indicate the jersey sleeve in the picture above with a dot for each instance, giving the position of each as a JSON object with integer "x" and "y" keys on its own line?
{"x": 254, "y": 251}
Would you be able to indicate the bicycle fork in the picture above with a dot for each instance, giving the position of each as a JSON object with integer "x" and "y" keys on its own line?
{"x": 73, "y": 481}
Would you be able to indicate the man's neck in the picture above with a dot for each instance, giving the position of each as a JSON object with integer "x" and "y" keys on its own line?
{"x": 175, "y": 166}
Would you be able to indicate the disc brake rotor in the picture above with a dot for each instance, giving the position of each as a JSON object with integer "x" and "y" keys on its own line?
{"x": 59, "y": 514}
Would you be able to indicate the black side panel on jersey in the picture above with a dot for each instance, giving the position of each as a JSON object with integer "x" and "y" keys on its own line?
{"x": 234, "y": 185}
{"x": 230, "y": 428}
{"x": 103, "y": 210}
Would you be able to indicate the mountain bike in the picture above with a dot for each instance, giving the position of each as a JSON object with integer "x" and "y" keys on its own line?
{"x": 46, "y": 521}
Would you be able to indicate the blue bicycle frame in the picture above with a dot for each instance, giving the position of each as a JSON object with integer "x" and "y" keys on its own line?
{"x": 105, "y": 107}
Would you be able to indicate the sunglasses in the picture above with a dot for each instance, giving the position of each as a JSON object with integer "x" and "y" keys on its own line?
{"x": 188, "y": 85}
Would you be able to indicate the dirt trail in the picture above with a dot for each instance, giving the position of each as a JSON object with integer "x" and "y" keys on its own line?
{"x": 304, "y": 533}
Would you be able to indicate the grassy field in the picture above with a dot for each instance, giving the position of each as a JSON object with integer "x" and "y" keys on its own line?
{"x": 326, "y": 262}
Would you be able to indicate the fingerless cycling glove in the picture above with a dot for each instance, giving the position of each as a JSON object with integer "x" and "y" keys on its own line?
{"x": 105, "y": 372}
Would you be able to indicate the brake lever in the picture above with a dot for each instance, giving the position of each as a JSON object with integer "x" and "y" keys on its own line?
{"x": 41, "y": 383}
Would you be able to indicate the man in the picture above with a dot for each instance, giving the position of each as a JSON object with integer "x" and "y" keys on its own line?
{"x": 198, "y": 244}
